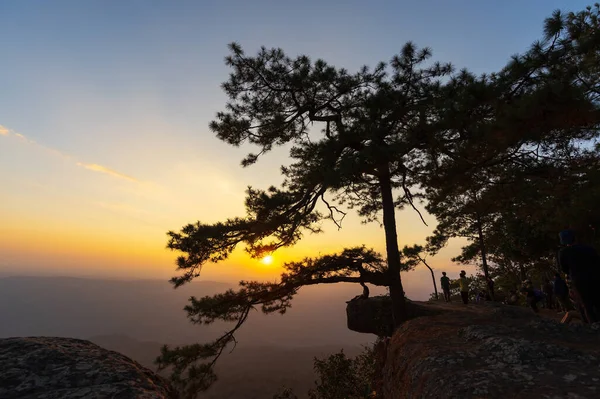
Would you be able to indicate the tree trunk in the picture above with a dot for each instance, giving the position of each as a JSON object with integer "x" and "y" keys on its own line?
{"x": 391, "y": 246}
{"x": 484, "y": 264}
{"x": 432, "y": 277}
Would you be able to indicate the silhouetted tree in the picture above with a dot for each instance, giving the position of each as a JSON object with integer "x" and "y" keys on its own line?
{"x": 519, "y": 135}
{"x": 364, "y": 158}
{"x": 341, "y": 377}
{"x": 417, "y": 254}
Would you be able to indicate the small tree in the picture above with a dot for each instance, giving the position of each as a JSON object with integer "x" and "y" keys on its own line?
{"x": 341, "y": 377}
{"x": 415, "y": 255}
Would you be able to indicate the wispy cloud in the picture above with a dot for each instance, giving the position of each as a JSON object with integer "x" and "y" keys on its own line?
{"x": 4, "y": 131}
{"x": 28, "y": 140}
{"x": 105, "y": 170}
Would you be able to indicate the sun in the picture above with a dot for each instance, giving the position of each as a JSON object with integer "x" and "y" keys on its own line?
{"x": 267, "y": 260}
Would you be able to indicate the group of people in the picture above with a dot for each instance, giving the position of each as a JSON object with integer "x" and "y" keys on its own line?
{"x": 580, "y": 264}
{"x": 463, "y": 284}
{"x": 577, "y": 262}
{"x": 551, "y": 295}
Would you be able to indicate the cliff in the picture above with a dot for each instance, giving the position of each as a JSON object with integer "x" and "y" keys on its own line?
{"x": 66, "y": 368}
{"x": 489, "y": 351}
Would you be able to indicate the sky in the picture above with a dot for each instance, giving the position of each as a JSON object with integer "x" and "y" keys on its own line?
{"x": 105, "y": 106}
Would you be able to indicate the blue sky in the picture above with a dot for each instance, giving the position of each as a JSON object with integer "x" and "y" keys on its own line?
{"x": 116, "y": 89}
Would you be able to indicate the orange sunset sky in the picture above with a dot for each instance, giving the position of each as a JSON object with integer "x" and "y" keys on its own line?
{"x": 104, "y": 112}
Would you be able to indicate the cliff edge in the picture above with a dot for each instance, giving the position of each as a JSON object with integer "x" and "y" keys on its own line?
{"x": 67, "y": 368}
{"x": 490, "y": 351}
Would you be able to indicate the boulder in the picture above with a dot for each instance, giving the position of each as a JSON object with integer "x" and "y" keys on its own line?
{"x": 374, "y": 315}
{"x": 491, "y": 351}
{"x": 66, "y": 368}
{"x": 371, "y": 316}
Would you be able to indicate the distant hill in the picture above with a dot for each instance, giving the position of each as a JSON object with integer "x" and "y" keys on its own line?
{"x": 151, "y": 310}
{"x": 264, "y": 369}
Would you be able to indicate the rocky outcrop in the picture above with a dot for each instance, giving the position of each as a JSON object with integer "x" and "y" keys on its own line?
{"x": 66, "y": 368}
{"x": 374, "y": 315}
{"x": 491, "y": 351}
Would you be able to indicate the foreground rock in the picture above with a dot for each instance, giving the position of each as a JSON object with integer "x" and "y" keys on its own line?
{"x": 53, "y": 368}
{"x": 491, "y": 351}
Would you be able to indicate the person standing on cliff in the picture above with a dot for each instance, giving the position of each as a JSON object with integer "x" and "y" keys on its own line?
{"x": 464, "y": 287}
{"x": 445, "y": 282}
{"x": 581, "y": 264}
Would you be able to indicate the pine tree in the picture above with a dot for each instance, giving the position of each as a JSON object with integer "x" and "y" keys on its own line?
{"x": 371, "y": 139}
{"x": 516, "y": 135}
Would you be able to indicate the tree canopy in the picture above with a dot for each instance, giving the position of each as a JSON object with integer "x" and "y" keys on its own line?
{"x": 504, "y": 159}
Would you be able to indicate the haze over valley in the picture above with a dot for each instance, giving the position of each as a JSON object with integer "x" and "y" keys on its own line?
{"x": 136, "y": 317}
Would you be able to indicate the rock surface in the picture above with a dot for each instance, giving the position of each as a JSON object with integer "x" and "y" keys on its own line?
{"x": 491, "y": 351}
{"x": 66, "y": 368}
{"x": 374, "y": 315}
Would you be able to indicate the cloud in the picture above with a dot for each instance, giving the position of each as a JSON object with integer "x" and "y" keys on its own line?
{"x": 4, "y": 131}
{"x": 21, "y": 137}
{"x": 105, "y": 170}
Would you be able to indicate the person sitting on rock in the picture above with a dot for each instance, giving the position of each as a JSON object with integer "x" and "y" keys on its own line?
{"x": 364, "y": 295}
{"x": 533, "y": 296}
{"x": 480, "y": 296}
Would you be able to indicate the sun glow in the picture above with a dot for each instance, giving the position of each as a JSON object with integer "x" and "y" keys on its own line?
{"x": 267, "y": 260}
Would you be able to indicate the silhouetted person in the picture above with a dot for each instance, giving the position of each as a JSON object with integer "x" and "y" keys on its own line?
{"x": 490, "y": 284}
{"x": 561, "y": 292}
{"x": 464, "y": 287}
{"x": 576, "y": 299}
{"x": 445, "y": 281}
{"x": 365, "y": 293}
{"x": 513, "y": 298}
{"x": 480, "y": 296}
{"x": 548, "y": 290}
{"x": 581, "y": 264}
{"x": 532, "y": 295}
